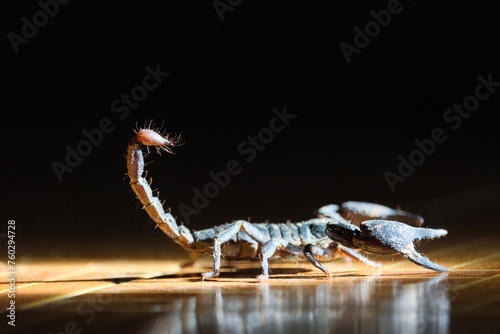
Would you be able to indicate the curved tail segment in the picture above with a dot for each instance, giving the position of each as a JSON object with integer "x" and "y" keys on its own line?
{"x": 152, "y": 204}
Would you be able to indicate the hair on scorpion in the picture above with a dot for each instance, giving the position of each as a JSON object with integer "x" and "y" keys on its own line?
{"x": 150, "y": 135}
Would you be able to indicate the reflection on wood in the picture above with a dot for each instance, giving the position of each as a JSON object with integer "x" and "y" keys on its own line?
{"x": 354, "y": 306}
{"x": 154, "y": 296}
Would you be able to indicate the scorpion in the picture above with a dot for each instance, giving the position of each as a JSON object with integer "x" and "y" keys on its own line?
{"x": 338, "y": 231}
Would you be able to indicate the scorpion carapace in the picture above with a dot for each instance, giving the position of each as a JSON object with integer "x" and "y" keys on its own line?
{"x": 307, "y": 240}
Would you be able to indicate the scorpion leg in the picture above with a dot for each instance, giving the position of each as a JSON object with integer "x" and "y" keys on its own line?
{"x": 268, "y": 250}
{"x": 350, "y": 253}
{"x": 227, "y": 233}
{"x": 223, "y": 236}
{"x": 310, "y": 250}
{"x": 217, "y": 255}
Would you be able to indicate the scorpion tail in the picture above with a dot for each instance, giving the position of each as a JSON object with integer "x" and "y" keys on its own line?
{"x": 135, "y": 167}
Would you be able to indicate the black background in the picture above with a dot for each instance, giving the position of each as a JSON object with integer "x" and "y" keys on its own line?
{"x": 353, "y": 120}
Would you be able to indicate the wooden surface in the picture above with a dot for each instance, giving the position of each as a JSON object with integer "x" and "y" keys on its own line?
{"x": 127, "y": 295}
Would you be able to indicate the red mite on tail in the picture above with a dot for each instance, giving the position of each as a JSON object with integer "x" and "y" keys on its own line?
{"x": 150, "y": 137}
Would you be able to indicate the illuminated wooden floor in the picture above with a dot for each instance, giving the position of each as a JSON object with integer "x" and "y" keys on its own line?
{"x": 154, "y": 296}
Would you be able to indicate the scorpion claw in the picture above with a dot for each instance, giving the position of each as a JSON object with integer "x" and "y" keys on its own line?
{"x": 385, "y": 237}
{"x": 425, "y": 262}
{"x": 400, "y": 237}
{"x": 357, "y": 212}
{"x": 411, "y": 254}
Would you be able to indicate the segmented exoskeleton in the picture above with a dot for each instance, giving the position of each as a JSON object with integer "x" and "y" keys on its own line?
{"x": 241, "y": 239}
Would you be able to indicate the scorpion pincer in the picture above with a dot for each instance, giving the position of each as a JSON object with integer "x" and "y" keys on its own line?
{"x": 335, "y": 233}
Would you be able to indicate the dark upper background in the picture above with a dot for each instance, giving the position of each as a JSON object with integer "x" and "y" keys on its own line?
{"x": 353, "y": 120}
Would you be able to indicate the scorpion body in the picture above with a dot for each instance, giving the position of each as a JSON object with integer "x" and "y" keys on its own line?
{"x": 242, "y": 240}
